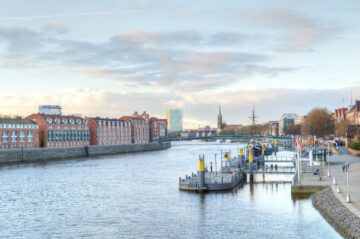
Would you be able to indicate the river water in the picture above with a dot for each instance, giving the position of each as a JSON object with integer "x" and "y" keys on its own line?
{"x": 137, "y": 196}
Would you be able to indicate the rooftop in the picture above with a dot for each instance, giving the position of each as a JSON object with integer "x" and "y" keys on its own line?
{"x": 15, "y": 121}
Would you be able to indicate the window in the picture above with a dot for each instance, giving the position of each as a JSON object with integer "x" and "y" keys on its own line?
{"x": 30, "y": 137}
{"x": 13, "y": 137}
{"x": 5, "y": 137}
{"x": 22, "y": 136}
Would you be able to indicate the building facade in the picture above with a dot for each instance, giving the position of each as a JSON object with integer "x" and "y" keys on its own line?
{"x": 50, "y": 109}
{"x": 62, "y": 131}
{"x": 140, "y": 133}
{"x": 285, "y": 122}
{"x": 353, "y": 114}
{"x": 174, "y": 119}
{"x": 105, "y": 131}
{"x": 340, "y": 114}
{"x": 274, "y": 128}
{"x": 18, "y": 134}
{"x": 158, "y": 129}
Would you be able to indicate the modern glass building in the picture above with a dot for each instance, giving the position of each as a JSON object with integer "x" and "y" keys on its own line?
{"x": 175, "y": 120}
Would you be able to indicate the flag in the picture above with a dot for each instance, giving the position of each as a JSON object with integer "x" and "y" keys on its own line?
{"x": 299, "y": 143}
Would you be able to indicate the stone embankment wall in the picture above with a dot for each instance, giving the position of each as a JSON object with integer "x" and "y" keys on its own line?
{"x": 344, "y": 221}
{"x": 43, "y": 154}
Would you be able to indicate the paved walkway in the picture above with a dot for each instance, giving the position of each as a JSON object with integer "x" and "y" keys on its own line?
{"x": 343, "y": 150}
{"x": 336, "y": 171}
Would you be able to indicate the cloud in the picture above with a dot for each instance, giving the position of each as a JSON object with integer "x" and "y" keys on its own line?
{"x": 198, "y": 108}
{"x": 138, "y": 59}
{"x": 57, "y": 27}
{"x": 297, "y": 30}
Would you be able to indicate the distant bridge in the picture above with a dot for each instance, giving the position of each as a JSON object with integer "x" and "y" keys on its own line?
{"x": 231, "y": 137}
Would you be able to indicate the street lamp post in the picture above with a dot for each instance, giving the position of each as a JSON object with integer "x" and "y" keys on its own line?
{"x": 215, "y": 165}
{"x": 328, "y": 159}
{"x": 347, "y": 184}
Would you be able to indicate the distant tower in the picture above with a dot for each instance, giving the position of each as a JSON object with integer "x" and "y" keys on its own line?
{"x": 219, "y": 121}
{"x": 253, "y": 122}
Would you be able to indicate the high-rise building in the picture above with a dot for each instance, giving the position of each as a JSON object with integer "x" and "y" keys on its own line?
{"x": 174, "y": 120}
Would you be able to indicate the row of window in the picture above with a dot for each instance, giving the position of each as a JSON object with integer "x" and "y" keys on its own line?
{"x": 13, "y": 137}
{"x": 68, "y": 135}
{"x": 113, "y": 123}
{"x": 49, "y": 120}
{"x": 19, "y": 126}
{"x": 14, "y": 146}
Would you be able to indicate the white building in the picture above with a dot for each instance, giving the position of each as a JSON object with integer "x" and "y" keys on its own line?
{"x": 50, "y": 109}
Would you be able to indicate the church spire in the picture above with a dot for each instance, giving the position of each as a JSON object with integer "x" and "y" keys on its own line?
{"x": 219, "y": 121}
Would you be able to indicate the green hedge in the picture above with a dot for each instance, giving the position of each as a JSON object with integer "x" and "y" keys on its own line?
{"x": 354, "y": 145}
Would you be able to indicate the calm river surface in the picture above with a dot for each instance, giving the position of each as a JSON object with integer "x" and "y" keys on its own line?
{"x": 137, "y": 196}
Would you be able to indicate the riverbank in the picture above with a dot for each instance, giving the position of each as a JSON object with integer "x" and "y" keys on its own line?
{"x": 330, "y": 198}
{"x": 342, "y": 219}
{"x": 47, "y": 154}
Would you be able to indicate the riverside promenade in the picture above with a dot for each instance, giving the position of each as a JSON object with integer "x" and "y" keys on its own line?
{"x": 330, "y": 198}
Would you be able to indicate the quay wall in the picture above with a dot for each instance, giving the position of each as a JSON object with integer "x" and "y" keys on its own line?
{"x": 341, "y": 218}
{"x": 47, "y": 154}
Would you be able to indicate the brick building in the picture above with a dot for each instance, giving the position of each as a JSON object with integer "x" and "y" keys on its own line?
{"x": 340, "y": 114}
{"x": 105, "y": 131}
{"x": 158, "y": 129}
{"x": 61, "y": 130}
{"x": 140, "y": 133}
{"x": 353, "y": 114}
{"x": 18, "y": 134}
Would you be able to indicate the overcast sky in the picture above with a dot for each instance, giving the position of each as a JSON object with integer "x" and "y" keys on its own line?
{"x": 110, "y": 58}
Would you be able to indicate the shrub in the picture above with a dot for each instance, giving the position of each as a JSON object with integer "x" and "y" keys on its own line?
{"x": 354, "y": 145}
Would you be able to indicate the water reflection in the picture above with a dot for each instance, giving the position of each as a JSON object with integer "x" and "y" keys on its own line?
{"x": 137, "y": 196}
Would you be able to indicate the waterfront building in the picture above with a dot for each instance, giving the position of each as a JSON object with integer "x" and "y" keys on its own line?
{"x": 61, "y": 131}
{"x": 18, "y": 134}
{"x": 353, "y": 114}
{"x": 50, "y": 109}
{"x": 286, "y": 122}
{"x": 105, "y": 131}
{"x": 158, "y": 129}
{"x": 140, "y": 133}
{"x": 174, "y": 119}
{"x": 340, "y": 114}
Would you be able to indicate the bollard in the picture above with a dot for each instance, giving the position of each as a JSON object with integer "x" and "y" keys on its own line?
{"x": 334, "y": 180}
{"x": 348, "y": 199}
{"x": 251, "y": 161}
{"x": 338, "y": 190}
{"x": 201, "y": 173}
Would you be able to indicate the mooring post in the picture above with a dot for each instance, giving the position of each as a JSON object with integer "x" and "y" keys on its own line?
{"x": 251, "y": 161}
{"x": 201, "y": 173}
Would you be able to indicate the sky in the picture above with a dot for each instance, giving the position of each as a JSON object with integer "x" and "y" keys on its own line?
{"x": 111, "y": 58}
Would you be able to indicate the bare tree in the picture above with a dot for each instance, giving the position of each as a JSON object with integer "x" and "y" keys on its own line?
{"x": 318, "y": 122}
{"x": 341, "y": 127}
